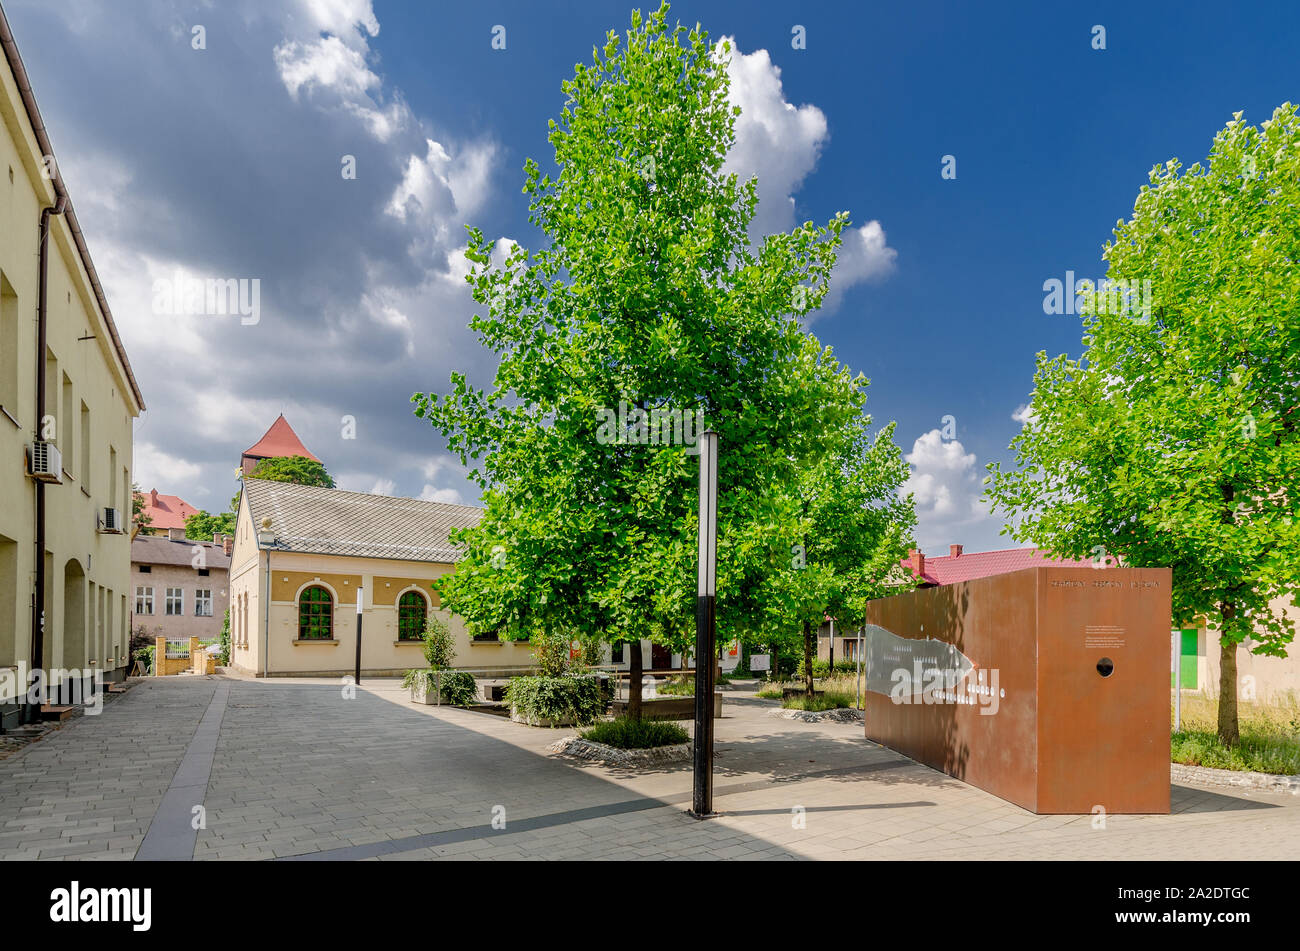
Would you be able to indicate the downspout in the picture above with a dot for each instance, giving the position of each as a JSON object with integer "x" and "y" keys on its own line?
{"x": 266, "y": 621}
{"x": 42, "y": 293}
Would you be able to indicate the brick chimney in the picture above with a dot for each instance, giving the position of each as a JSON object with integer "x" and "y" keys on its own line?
{"x": 153, "y": 497}
{"x": 917, "y": 559}
{"x": 227, "y": 544}
{"x": 954, "y": 551}
{"x": 176, "y": 534}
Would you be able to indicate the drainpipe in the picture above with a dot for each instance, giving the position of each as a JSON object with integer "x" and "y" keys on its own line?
{"x": 266, "y": 623}
{"x": 42, "y": 269}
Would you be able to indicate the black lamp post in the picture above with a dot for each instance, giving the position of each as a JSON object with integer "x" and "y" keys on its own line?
{"x": 706, "y": 627}
{"x": 361, "y": 596}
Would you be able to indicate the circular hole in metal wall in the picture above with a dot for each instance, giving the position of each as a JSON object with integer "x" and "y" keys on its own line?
{"x": 1105, "y": 666}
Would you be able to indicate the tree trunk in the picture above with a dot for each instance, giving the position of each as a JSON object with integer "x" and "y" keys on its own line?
{"x": 634, "y": 681}
{"x": 808, "y": 657}
{"x": 1229, "y": 734}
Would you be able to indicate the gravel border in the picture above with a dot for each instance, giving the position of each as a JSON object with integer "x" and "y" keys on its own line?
{"x": 838, "y": 715}
{"x": 1206, "y": 775}
{"x": 612, "y": 756}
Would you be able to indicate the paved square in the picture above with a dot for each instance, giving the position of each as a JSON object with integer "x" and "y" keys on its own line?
{"x": 292, "y": 769}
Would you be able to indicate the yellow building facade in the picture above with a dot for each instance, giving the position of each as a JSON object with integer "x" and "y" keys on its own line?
{"x": 302, "y": 553}
{"x": 80, "y": 445}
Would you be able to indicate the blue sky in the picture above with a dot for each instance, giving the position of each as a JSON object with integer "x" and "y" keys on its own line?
{"x": 225, "y": 162}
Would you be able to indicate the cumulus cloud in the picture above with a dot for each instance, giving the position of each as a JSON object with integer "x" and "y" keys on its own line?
{"x": 360, "y": 307}
{"x": 1024, "y": 415}
{"x": 947, "y": 494}
{"x": 781, "y": 143}
{"x": 331, "y": 65}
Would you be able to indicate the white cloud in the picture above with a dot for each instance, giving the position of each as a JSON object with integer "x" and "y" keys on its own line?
{"x": 330, "y": 64}
{"x": 781, "y": 143}
{"x": 440, "y": 190}
{"x": 155, "y": 468}
{"x": 947, "y": 494}
{"x": 1024, "y": 415}
{"x": 432, "y": 493}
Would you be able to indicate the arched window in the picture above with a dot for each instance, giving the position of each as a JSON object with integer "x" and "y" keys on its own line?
{"x": 315, "y": 614}
{"x": 411, "y": 611}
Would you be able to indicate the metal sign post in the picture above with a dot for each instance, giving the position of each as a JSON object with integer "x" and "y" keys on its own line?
{"x": 705, "y": 627}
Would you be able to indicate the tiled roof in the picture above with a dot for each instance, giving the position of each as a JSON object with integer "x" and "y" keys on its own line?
{"x": 279, "y": 441}
{"x": 308, "y": 518}
{"x": 161, "y": 550}
{"x": 170, "y": 511}
{"x": 948, "y": 569}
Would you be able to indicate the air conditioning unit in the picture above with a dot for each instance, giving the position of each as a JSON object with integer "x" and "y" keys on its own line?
{"x": 111, "y": 523}
{"x": 46, "y": 461}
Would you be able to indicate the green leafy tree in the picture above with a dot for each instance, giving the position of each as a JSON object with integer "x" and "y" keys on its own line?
{"x": 296, "y": 469}
{"x": 140, "y": 519}
{"x": 647, "y": 294}
{"x": 203, "y": 525}
{"x": 848, "y": 527}
{"x": 1173, "y": 439}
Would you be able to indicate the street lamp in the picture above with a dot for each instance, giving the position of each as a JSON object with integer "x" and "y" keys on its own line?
{"x": 706, "y": 626}
{"x": 361, "y": 597}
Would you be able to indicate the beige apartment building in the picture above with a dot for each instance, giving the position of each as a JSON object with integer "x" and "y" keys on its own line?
{"x": 67, "y": 400}
{"x": 179, "y": 586}
{"x": 302, "y": 553}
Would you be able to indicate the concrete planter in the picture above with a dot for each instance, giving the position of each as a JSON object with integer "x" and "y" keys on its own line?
{"x": 424, "y": 692}
{"x": 670, "y": 708}
{"x": 517, "y": 717}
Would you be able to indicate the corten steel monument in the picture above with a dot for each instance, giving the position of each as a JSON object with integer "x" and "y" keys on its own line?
{"x": 1048, "y": 687}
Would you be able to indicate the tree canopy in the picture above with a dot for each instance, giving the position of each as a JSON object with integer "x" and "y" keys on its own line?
{"x": 1173, "y": 439}
{"x": 644, "y": 317}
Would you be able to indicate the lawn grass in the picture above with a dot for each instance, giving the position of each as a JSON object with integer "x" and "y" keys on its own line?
{"x": 1270, "y": 736}
{"x": 625, "y": 734}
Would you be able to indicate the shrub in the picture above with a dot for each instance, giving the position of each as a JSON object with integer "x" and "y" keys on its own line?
{"x": 830, "y": 700}
{"x": 458, "y": 686}
{"x": 551, "y": 651}
{"x": 679, "y": 686}
{"x": 628, "y": 734}
{"x": 224, "y": 657}
{"x": 555, "y": 698}
{"x": 439, "y": 645}
{"x": 145, "y": 656}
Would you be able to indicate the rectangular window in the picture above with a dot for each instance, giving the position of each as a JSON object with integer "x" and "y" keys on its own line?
{"x": 85, "y": 447}
{"x": 616, "y": 654}
{"x": 9, "y": 348}
{"x": 146, "y": 569}
{"x": 203, "y": 602}
{"x": 203, "y": 572}
{"x": 143, "y": 600}
{"x": 175, "y": 601}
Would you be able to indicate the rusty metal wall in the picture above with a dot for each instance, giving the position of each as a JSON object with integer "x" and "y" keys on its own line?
{"x": 1045, "y": 729}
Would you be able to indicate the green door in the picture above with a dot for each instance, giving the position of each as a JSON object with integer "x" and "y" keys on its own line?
{"x": 1187, "y": 657}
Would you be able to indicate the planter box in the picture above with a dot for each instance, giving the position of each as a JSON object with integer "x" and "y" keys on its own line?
{"x": 542, "y": 721}
{"x": 423, "y": 693}
{"x": 670, "y": 708}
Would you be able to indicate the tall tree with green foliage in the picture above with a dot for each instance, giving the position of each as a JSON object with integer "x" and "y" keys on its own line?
{"x": 1173, "y": 439}
{"x": 646, "y": 298}
{"x": 847, "y": 528}
{"x": 296, "y": 469}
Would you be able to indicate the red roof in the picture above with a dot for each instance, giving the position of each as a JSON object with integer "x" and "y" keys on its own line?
{"x": 949, "y": 569}
{"x": 280, "y": 441}
{"x": 167, "y": 511}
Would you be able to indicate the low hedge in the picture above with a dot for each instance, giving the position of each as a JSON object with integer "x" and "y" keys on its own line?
{"x": 625, "y": 734}
{"x": 576, "y": 698}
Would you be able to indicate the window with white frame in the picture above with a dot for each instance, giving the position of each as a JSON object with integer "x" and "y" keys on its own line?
{"x": 143, "y": 599}
{"x": 203, "y": 602}
{"x": 175, "y": 601}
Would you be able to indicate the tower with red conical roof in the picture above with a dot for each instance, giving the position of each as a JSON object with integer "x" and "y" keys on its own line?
{"x": 280, "y": 441}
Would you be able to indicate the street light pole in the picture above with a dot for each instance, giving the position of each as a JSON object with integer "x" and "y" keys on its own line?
{"x": 361, "y": 597}
{"x": 706, "y": 627}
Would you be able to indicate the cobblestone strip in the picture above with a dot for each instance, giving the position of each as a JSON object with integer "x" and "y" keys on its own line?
{"x": 171, "y": 834}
